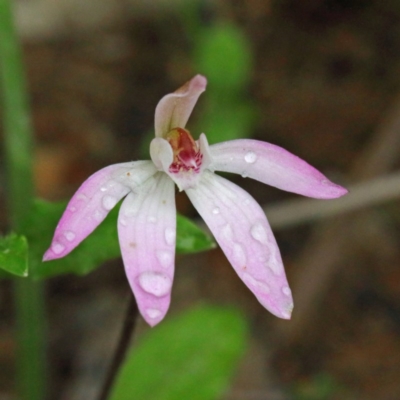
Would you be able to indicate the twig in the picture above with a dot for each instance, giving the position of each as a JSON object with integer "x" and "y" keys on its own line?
{"x": 362, "y": 195}
{"x": 122, "y": 347}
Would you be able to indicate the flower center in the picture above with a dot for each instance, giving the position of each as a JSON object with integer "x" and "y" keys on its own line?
{"x": 187, "y": 155}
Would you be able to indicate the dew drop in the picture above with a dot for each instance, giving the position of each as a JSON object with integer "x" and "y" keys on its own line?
{"x": 57, "y": 248}
{"x": 274, "y": 264}
{"x": 250, "y": 157}
{"x": 244, "y": 175}
{"x": 130, "y": 211}
{"x": 69, "y": 235}
{"x": 109, "y": 202}
{"x": 165, "y": 258}
{"x": 259, "y": 233}
{"x": 81, "y": 196}
{"x": 238, "y": 254}
{"x": 215, "y": 211}
{"x": 169, "y": 235}
{"x": 72, "y": 209}
{"x": 227, "y": 232}
{"x": 155, "y": 283}
{"x": 152, "y": 219}
{"x": 286, "y": 291}
{"x": 98, "y": 215}
{"x": 103, "y": 189}
{"x": 123, "y": 222}
{"x": 256, "y": 284}
{"x": 153, "y": 313}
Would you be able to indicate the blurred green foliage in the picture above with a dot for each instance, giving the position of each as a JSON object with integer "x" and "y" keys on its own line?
{"x": 14, "y": 254}
{"x": 321, "y": 386}
{"x": 192, "y": 356}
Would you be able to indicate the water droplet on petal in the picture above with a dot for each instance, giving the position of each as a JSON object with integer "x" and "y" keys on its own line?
{"x": 215, "y": 211}
{"x": 81, "y": 196}
{"x": 98, "y": 215}
{"x": 72, "y": 209}
{"x": 153, "y": 313}
{"x": 259, "y": 233}
{"x": 286, "y": 291}
{"x": 273, "y": 263}
{"x": 227, "y": 232}
{"x": 165, "y": 258}
{"x": 238, "y": 254}
{"x": 109, "y": 202}
{"x": 256, "y": 284}
{"x": 69, "y": 235}
{"x": 155, "y": 283}
{"x": 152, "y": 219}
{"x": 57, "y": 248}
{"x": 250, "y": 157}
{"x": 103, "y": 189}
{"x": 169, "y": 235}
{"x": 123, "y": 222}
{"x": 244, "y": 175}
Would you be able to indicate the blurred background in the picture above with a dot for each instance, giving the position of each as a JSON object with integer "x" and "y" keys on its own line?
{"x": 318, "y": 77}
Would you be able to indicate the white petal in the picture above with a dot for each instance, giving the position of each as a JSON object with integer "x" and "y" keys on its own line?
{"x": 161, "y": 154}
{"x": 146, "y": 231}
{"x": 274, "y": 166}
{"x": 242, "y": 230}
{"x": 93, "y": 201}
{"x": 173, "y": 110}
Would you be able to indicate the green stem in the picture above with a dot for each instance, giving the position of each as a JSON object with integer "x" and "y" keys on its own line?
{"x": 18, "y": 151}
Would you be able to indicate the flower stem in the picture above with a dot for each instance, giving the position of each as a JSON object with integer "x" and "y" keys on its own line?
{"x": 18, "y": 153}
{"x": 122, "y": 347}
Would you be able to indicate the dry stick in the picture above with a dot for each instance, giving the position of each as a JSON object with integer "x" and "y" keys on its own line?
{"x": 122, "y": 347}
{"x": 366, "y": 194}
{"x": 331, "y": 242}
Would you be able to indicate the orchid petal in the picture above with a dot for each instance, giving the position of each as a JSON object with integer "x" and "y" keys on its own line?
{"x": 205, "y": 151}
{"x": 242, "y": 230}
{"x": 274, "y": 166}
{"x": 93, "y": 201}
{"x": 161, "y": 154}
{"x": 146, "y": 231}
{"x": 174, "y": 109}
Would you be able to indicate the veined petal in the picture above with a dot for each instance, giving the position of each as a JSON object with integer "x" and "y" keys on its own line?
{"x": 174, "y": 109}
{"x": 146, "y": 231}
{"x": 92, "y": 202}
{"x": 242, "y": 230}
{"x": 274, "y": 166}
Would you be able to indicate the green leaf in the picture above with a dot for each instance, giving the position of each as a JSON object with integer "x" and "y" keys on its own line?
{"x": 192, "y": 356}
{"x": 98, "y": 247}
{"x": 14, "y": 254}
{"x": 190, "y": 238}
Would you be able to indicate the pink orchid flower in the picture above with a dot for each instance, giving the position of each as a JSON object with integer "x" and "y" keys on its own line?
{"x": 147, "y": 217}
